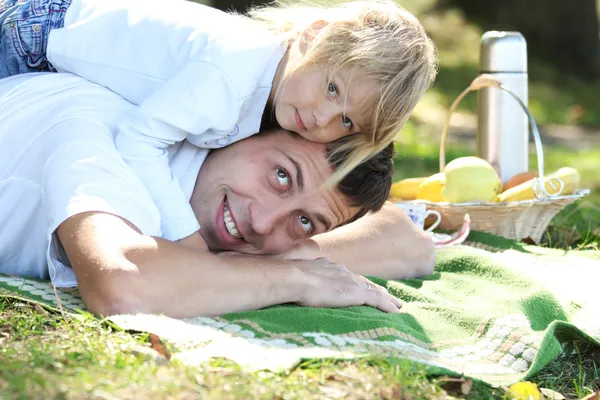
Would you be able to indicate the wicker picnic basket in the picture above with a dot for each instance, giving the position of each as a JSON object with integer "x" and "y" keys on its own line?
{"x": 514, "y": 220}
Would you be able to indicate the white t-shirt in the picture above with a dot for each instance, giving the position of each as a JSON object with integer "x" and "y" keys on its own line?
{"x": 58, "y": 159}
{"x": 196, "y": 72}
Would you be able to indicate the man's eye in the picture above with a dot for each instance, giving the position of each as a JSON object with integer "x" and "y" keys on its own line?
{"x": 306, "y": 224}
{"x": 332, "y": 89}
{"x": 283, "y": 177}
{"x": 347, "y": 122}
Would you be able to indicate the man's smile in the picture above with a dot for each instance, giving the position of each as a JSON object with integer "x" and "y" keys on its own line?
{"x": 230, "y": 222}
{"x": 226, "y": 226}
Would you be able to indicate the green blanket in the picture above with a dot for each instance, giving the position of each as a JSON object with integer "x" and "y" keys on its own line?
{"x": 495, "y": 310}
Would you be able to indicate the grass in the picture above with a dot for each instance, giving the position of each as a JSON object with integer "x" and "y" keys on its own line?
{"x": 45, "y": 355}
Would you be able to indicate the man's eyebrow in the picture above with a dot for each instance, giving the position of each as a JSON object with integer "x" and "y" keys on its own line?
{"x": 299, "y": 174}
{"x": 324, "y": 221}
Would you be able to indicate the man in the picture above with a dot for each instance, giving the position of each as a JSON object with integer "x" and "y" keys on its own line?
{"x": 71, "y": 210}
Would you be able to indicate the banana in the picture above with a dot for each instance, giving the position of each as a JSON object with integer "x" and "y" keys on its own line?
{"x": 524, "y": 191}
{"x": 406, "y": 189}
{"x": 431, "y": 188}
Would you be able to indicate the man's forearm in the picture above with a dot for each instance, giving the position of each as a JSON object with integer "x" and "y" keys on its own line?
{"x": 386, "y": 244}
{"x": 119, "y": 270}
{"x": 209, "y": 284}
{"x": 153, "y": 275}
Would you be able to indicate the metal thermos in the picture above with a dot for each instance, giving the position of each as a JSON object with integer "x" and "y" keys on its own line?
{"x": 502, "y": 131}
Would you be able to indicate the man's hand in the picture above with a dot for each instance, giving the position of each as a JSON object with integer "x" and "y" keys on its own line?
{"x": 333, "y": 285}
{"x": 329, "y": 284}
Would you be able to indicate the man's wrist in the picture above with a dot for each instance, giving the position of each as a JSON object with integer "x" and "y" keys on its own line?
{"x": 306, "y": 250}
{"x": 288, "y": 282}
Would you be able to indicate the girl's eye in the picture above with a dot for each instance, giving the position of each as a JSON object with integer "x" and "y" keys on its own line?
{"x": 306, "y": 224}
{"x": 283, "y": 177}
{"x": 332, "y": 89}
{"x": 347, "y": 122}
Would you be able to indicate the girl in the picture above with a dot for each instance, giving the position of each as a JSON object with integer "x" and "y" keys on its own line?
{"x": 355, "y": 69}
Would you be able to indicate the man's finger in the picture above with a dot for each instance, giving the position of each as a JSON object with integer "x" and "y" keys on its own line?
{"x": 397, "y": 302}
{"x": 381, "y": 300}
{"x": 380, "y": 287}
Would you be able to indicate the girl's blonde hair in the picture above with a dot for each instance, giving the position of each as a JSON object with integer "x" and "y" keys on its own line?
{"x": 376, "y": 39}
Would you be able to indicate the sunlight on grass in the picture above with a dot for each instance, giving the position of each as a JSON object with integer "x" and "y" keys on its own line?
{"x": 44, "y": 355}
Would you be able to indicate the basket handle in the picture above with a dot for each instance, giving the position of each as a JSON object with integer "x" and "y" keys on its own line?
{"x": 486, "y": 80}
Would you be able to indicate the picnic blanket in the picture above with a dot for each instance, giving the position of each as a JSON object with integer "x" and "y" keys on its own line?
{"x": 494, "y": 309}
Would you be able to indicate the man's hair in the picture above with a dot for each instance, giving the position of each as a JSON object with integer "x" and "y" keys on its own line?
{"x": 367, "y": 185}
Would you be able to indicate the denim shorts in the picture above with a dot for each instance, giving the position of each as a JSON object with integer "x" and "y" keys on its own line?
{"x": 24, "y": 29}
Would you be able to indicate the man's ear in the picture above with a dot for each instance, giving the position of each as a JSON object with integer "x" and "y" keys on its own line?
{"x": 309, "y": 34}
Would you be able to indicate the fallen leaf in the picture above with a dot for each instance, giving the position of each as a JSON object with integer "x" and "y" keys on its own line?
{"x": 389, "y": 393}
{"x": 334, "y": 378}
{"x": 397, "y": 391}
{"x": 456, "y": 385}
{"x": 158, "y": 346}
{"x": 550, "y": 394}
{"x": 39, "y": 309}
{"x": 528, "y": 240}
{"x": 593, "y": 396}
{"x": 466, "y": 386}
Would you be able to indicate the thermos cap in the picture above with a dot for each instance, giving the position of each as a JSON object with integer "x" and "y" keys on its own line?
{"x": 503, "y": 52}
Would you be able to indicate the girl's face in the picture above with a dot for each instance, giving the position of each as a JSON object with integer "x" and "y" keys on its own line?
{"x": 320, "y": 110}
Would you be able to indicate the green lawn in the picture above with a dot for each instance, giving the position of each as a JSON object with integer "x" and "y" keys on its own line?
{"x": 47, "y": 356}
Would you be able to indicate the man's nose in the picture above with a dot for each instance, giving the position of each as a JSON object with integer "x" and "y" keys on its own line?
{"x": 266, "y": 216}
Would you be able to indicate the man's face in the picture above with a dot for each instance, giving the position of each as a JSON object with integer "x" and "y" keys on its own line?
{"x": 265, "y": 194}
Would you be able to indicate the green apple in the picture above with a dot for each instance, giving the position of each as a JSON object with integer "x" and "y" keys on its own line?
{"x": 470, "y": 179}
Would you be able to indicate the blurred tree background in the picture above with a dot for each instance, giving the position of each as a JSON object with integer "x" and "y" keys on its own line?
{"x": 563, "y": 47}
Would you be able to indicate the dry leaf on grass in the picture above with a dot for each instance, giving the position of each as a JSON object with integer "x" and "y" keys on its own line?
{"x": 550, "y": 394}
{"x": 528, "y": 240}
{"x": 593, "y": 396}
{"x": 39, "y": 309}
{"x": 158, "y": 346}
{"x": 456, "y": 385}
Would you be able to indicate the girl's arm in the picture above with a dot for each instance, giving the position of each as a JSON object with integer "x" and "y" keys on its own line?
{"x": 386, "y": 244}
{"x": 199, "y": 101}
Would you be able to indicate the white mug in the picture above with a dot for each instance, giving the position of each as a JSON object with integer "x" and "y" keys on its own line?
{"x": 418, "y": 213}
